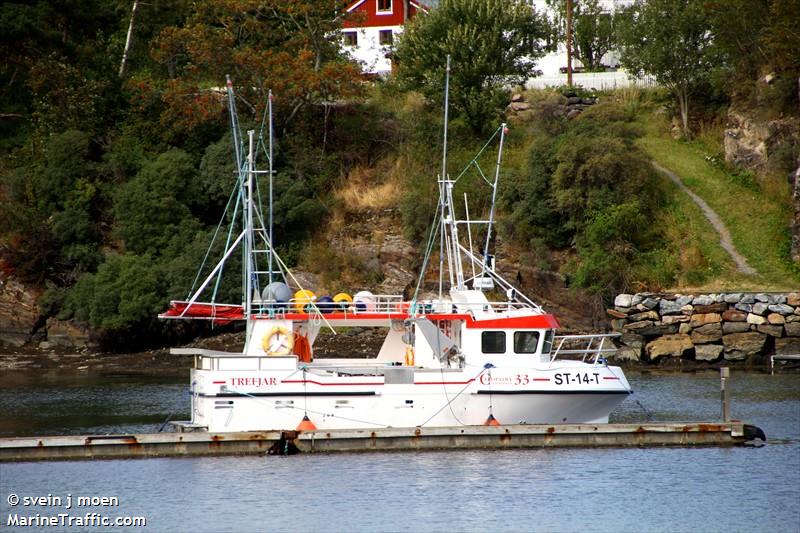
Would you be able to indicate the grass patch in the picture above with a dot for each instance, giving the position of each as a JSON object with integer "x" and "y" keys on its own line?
{"x": 758, "y": 221}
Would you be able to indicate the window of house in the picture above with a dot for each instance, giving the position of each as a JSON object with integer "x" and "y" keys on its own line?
{"x": 526, "y": 341}
{"x": 493, "y": 342}
{"x": 384, "y": 6}
{"x": 385, "y": 37}
{"x": 350, "y": 38}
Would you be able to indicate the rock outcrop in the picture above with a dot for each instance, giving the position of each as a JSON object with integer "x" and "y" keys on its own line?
{"x": 569, "y": 105}
{"x": 761, "y": 145}
{"x": 19, "y": 314}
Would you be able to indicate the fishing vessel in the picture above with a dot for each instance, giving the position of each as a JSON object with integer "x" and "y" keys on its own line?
{"x": 475, "y": 352}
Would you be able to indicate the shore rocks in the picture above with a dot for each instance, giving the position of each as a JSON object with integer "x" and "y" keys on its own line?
{"x": 669, "y": 346}
{"x": 705, "y": 327}
{"x": 65, "y": 334}
{"x": 739, "y": 346}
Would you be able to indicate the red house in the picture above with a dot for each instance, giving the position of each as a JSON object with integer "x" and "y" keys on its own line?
{"x": 369, "y": 34}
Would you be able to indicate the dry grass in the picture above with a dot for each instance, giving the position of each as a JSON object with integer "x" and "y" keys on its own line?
{"x": 366, "y": 189}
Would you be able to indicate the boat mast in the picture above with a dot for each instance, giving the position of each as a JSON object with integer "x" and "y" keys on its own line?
{"x": 442, "y": 238}
{"x": 486, "y": 265}
{"x": 449, "y": 239}
{"x": 234, "y": 124}
{"x": 271, "y": 242}
{"x": 251, "y": 164}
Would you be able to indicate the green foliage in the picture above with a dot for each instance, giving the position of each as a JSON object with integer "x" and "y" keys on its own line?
{"x": 418, "y": 207}
{"x": 493, "y": 45}
{"x": 127, "y": 290}
{"x": 594, "y": 30}
{"x": 609, "y": 246}
{"x": 52, "y": 218}
{"x": 149, "y": 208}
{"x": 669, "y": 40}
{"x": 288, "y": 46}
{"x": 53, "y": 67}
{"x": 586, "y": 185}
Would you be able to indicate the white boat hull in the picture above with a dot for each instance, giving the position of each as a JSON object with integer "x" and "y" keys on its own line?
{"x": 270, "y": 400}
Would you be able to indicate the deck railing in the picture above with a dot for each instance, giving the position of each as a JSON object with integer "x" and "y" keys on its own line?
{"x": 592, "y": 347}
{"x": 384, "y": 304}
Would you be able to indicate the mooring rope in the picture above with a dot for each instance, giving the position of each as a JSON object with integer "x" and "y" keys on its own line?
{"x": 450, "y": 401}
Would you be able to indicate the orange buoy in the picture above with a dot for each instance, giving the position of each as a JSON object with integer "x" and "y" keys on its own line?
{"x": 303, "y": 299}
{"x": 491, "y": 421}
{"x": 306, "y": 424}
{"x": 343, "y": 301}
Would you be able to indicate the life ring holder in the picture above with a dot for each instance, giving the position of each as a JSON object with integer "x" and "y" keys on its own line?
{"x": 285, "y": 347}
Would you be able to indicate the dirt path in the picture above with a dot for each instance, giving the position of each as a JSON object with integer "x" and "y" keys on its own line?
{"x": 724, "y": 236}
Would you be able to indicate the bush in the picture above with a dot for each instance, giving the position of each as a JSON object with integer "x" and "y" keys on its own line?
{"x": 609, "y": 246}
{"x": 149, "y": 208}
{"x": 589, "y": 187}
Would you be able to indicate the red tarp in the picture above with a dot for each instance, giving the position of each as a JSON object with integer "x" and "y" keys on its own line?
{"x": 220, "y": 313}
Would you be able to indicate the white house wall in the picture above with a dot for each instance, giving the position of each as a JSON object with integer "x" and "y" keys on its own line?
{"x": 368, "y": 51}
{"x": 372, "y": 55}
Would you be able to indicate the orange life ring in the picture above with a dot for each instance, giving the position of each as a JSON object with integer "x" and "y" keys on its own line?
{"x": 279, "y": 341}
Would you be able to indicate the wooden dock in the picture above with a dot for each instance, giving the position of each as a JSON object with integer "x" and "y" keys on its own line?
{"x": 359, "y": 440}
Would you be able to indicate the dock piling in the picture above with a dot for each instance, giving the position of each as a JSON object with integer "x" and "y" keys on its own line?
{"x": 724, "y": 375}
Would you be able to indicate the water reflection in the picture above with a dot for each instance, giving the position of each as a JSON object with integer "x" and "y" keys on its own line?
{"x": 614, "y": 489}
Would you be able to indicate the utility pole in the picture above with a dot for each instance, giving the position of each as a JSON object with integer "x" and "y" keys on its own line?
{"x": 569, "y": 43}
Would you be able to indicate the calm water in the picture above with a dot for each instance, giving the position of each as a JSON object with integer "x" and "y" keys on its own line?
{"x": 671, "y": 489}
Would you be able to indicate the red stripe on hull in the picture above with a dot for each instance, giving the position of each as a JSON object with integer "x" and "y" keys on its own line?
{"x": 331, "y": 384}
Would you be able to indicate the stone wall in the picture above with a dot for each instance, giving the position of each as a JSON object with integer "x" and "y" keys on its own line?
{"x": 748, "y": 327}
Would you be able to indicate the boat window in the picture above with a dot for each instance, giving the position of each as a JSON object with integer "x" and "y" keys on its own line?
{"x": 548, "y": 341}
{"x": 526, "y": 341}
{"x": 493, "y": 342}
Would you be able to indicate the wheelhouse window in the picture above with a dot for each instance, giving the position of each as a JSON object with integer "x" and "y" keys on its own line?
{"x": 385, "y": 37}
{"x": 548, "y": 341}
{"x": 350, "y": 38}
{"x": 526, "y": 341}
{"x": 384, "y": 6}
{"x": 493, "y": 342}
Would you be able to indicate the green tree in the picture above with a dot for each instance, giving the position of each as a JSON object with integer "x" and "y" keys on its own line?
{"x": 493, "y": 45}
{"x": 151, "y": 207}
{"x": 594, "y": 32}
{"x": 53, "y": 212}
{"x": 53, "y": 61}
{"x": 587, "y": 187}
{"x": 670, "y": 40}
{"x": 755, "y": 37}
{"x": 291, "y": 47}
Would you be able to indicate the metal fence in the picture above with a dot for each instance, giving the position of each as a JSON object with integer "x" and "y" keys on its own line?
{"x": 593, "y": 80}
